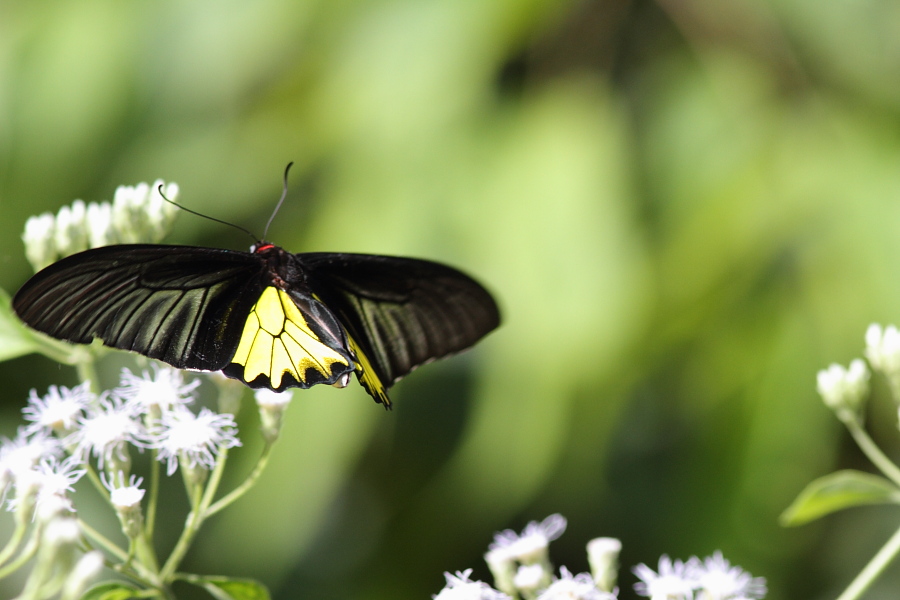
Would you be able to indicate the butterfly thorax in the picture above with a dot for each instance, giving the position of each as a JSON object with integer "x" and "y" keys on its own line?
{"x": 282, "y": 269}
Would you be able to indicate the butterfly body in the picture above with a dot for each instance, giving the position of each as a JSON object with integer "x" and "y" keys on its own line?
{"x": 269, "y": 318}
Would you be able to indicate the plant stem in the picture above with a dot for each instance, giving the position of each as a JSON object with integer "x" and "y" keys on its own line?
{"x": 96, "y": 481}
{"x": 150, "y": 524}
{"x": 87, "y": 371}
{"x": 245, "y": 486}
{"x": 191, "y": 527}
{"x": 145, "y": 552}
{"x": 872, "y": 570}
{"x": 873, "y": 452}
{"x": 14, "y": 541}
{"x": 214, "y": 480}
{"x": 27, "y": 554}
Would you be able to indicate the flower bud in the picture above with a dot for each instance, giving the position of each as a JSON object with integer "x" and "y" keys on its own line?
{"x": 40, "y": 247}
{"x": 603, "y": 556}
{"x": 844, "y": 390}
{"x": 271, "y": 410}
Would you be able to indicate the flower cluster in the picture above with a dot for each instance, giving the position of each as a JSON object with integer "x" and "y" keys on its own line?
{"x": 69, "y": 430}
{"x": 846, "y": 389}
{"x": 521, "y": 567}
{"x": 146, "y": 411}
{"x": 713, "y": 578}
{"x": 136, "y": 214}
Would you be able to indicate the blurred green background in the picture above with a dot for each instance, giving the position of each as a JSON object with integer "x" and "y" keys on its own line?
{"x": 685, "y": 209}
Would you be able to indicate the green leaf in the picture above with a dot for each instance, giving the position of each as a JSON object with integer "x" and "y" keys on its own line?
{"x": 111, "y": 590}
{"x": 15, "y": 339}
{"x": 837, "y": 491}
{"x": 226, "y": 588}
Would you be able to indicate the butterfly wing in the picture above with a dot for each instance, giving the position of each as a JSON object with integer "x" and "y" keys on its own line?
{"x": 399, "y": 312}
{"x": 212, "y": 309}
{"x": 183, "y": 305}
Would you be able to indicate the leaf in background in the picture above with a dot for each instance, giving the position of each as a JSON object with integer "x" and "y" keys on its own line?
{"x": 225, "y": 588}
{"x": 15, "y": 339}
{"x": 837, "y": 491}
{"x": 111, "y": 590}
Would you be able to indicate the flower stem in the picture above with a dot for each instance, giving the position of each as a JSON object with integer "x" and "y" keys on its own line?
{"x": 96, "y": 481}
{"x": 150, "y": 523}
{"x": 191, "y": 527}
{"x": 245, "y": 486}
{"x": 27, "y": 554}
{"x": 872, "y": 451}
{"x": 14, "y": 541}
{"x": 143, "y": 549}
{"x": 87, "y": 371}
{"x": 136, "y": 571}
{"x": 872, "y": 570}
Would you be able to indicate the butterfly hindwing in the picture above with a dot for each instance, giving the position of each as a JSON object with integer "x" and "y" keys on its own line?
{"x": 400, "y": 312}
{"x": 289, "y": 340}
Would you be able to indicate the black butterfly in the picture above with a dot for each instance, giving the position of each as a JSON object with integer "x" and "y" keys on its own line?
{"x": 267, "y": 317}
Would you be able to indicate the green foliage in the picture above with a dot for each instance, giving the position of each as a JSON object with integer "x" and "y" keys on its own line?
{"x": 224, "y": 588}
{"x": 837, "y": 491}
{"x": 111, "y": 590}
{"x": 15, "y": 338}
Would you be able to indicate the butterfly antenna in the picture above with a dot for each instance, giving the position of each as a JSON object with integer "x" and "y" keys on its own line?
{"x": 194, "y": 212}
{"x": 280, "y": 200}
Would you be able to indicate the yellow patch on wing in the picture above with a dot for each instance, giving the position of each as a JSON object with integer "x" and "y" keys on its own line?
{"x": 366, "y": 374}
{"x": 277, "y": 340}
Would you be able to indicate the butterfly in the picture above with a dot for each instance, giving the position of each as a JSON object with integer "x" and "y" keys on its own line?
{"x": 268, "y": 318}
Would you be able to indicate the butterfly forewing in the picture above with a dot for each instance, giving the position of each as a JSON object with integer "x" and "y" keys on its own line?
{"x": 179, "y": 304}
{"x": 402, "y": 312}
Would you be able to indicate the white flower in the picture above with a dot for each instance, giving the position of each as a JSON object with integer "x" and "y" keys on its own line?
{"x": 139, "y": 213}
{"x": 159, "y": 212}
{"x": 71, "y": 234}
{"x": 672, "y": 582}
{"x": 121, "y": 495}
{"x": 126, "y": 500}
{"x": 106, "y": 430}
{"x": 269, "y": 399}
{"x": 503, "y": 568}
{"x": 51, "y": 480}
{"x": 271, "y": 410}
{"x": 40, "y": 248}
{"x": 531, "y": 546}
{"x": 842, "y": 388}
{"x": 51, "y": 507}
{"x": 127, "y": 208}
{"x": 58, "y": 477}
{"x": 86, "y": 569}
{"x": 460, "y": 587}
{"x": 58, "y": 410}
{"x": 61, "y": 536}
{"x": 530, "y": 578}
{"x": 883, "y": 349}
{"x": 716, "y": 579}
{"x": 574, "y": 587}
{"x": 99, "y": 224}
{"x": 26, "y": 450}
{"x": 603, "y": 556}
{"x": 162, "y": 388}
{"x": 194, "y": 438}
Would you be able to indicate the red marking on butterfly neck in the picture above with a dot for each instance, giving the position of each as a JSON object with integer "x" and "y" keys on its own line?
{"x": 263, "y": 247}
